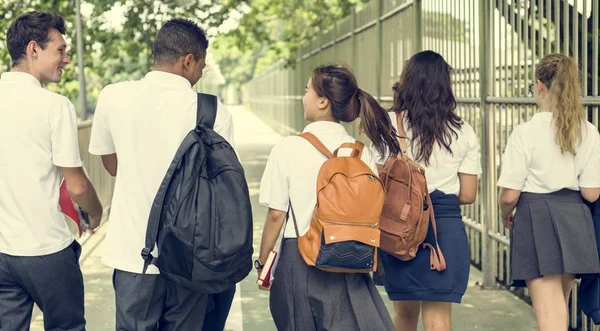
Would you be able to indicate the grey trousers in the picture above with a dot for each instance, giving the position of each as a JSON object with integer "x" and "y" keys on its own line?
{"x": 54, "y": 282}
{"x": 152, "y": 303}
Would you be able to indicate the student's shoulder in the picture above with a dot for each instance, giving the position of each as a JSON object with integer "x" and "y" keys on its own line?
{"x": 53, "y": 99}
{"x": 119, "y": 88}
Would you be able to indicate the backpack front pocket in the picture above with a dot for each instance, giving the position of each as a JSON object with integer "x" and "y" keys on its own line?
{"x": 348, "y": 247}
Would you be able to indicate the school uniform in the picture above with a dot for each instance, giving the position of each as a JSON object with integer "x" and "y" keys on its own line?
{"x": 414, "y": 280}
{"x": 144, "y": 123}
{"x": 303, "y": 297}
{"x": 553, "y": 231}
{"x": 39, "y": 258}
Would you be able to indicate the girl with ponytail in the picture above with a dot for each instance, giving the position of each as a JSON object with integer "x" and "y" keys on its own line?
{"x": 551, "y": 164}
{"x": 303, "y": 297}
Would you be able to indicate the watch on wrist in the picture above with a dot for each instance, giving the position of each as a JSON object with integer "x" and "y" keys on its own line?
{"x": 257, "y": 264}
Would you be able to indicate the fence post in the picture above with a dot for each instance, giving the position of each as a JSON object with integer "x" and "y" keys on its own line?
{"x": 354, "y": 50}
{"x": 418, "y": 26}
{"x": 80, "y": 59}
{"x": 487, "y": 125}
{"x": 379, "y": 47}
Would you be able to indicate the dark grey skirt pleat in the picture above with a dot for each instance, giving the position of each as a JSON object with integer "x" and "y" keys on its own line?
{"x": 552, "y": 234}
{"x": 305, "y": 298}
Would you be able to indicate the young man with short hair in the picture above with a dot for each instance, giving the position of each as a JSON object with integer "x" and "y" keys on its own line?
{"x": 138, "y": 127}
{"x": 38, "y": 129}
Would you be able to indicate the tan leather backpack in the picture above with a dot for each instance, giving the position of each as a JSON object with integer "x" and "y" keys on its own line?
{"x": 344, "y": 233}
{"x": 407, "y": 209}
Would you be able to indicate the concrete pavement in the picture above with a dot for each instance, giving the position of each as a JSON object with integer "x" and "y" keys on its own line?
{"x": 481, "y": 309}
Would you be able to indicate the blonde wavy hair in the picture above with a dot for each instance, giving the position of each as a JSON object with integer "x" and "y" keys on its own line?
{"x": 561, "y": 75}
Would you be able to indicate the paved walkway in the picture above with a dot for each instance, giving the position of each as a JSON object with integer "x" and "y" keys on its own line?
{"x": 481, "y": 309}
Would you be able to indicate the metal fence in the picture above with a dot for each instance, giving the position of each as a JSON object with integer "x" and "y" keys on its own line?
{"x": 492, "y": 45}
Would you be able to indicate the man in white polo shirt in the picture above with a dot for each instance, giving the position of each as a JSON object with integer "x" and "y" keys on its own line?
{"x": 138, "y": 127}
{"x": 38, "y": 131}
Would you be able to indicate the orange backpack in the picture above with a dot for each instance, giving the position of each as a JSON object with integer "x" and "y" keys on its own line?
{"x": 407, "y": 209}
{"x": 344, "y": 233}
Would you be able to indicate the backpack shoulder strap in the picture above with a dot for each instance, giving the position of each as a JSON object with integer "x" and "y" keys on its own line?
{"x": 317, "y": 143}
{"x": 401, "y": 131}
{"x": 206, "y": 111}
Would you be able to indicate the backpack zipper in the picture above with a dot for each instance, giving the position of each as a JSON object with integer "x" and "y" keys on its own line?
{"x": 371, "y": 225}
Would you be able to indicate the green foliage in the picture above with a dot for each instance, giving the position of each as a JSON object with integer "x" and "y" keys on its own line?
{"x": 112, "y": 53}
{"x": 274, "y": 29}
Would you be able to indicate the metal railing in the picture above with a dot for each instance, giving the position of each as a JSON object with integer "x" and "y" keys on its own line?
{"x": 492, "y": 45}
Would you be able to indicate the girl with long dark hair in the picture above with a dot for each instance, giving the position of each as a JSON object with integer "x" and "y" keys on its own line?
{"x": 448, "y": 149}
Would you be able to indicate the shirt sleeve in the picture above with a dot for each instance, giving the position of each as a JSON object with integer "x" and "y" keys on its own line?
{"x": 590, "y": 175}
{"x": 274, "y": 186}
{"x": 515, "y": 165}
{"x": 224, "y": 123}
{"x": 471, "y": 163}
{"x": 65, "y": 139}
{"x": 101, "y": 140}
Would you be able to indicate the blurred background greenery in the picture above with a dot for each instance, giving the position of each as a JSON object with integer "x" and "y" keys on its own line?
{"x": 245, "y": 37}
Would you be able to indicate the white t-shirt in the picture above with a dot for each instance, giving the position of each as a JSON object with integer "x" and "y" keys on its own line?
{"x": 443, "y": 169}
{"x": 533, "y": 162}
{"x": 144, "y": 123}
{"x": 292, "y": 170}
{"x": 38, "y": 134}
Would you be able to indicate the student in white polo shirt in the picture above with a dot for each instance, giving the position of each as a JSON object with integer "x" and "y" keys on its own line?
{"x": 138, "y": 127}
{"x": 304, "y": 297}
{"x": 448, "y": 149}
{"x": 38, "y": 131}
{"x": 551, "y": 164}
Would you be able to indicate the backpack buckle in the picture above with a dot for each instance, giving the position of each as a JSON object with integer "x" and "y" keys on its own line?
{"x": 146, "y": 254}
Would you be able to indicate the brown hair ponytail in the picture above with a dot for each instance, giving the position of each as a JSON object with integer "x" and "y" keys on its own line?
{"x": 348, "y": 102}
{"x": 561, "y": 75}
{"x": 376, "y": 124}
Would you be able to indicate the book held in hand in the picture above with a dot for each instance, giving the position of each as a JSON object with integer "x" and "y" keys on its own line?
{"x": 264, "y": 279}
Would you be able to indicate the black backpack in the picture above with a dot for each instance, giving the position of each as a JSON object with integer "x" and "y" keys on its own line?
{"x": 201, "y": 218}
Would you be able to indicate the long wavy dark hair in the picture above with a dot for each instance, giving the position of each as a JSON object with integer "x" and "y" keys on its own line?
{"x": 424, "y": 93}
{"x": 348, "y": 102}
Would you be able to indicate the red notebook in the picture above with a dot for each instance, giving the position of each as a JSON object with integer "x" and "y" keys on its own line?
{"x": 264, "y": 279}
{"x": 74, "y": 216}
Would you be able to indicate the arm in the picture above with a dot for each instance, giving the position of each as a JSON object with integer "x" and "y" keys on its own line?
{"x": 590, "y": 194}
{"x": 272, "y": 228}
{"x": 110, "y": 163}
{"x": 83, "y": 193}
{"x": 508, "y": 199}
{"x": 468, "y": 188}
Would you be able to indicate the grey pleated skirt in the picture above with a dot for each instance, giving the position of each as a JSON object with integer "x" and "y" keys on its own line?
{"x": 304, "y": 298}
{"x": 552, "y": 234}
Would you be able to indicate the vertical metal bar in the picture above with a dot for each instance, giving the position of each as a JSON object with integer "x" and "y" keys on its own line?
{"x": 540, "y": 28}
{"x": 533, "y": 31}
{"x": 354, "y": 44}
{"x": 526, "y": 44}
{"x": 504, "y": 65}
{"x": 80, "y": 63}
{"x": 584, "y": 52}
{"x": 484, "y": 37}
{"x": 595, "y": 37}
{"x": 418, "y": 26}
{"x": 566, "y": 45}
{"x": 557, "y": 26}
{"x": 548, "y": 21}
{"x": 379, "y": 47}
{"x": 575, "y": 31}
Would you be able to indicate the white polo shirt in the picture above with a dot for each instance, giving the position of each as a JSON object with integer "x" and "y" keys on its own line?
{"x": 292, "y": 169}
{"x": 533, "y": 161}
{"x": 38, "y": 134}
{"x": 144, "y": 122}
{"x": 442, "y": 171}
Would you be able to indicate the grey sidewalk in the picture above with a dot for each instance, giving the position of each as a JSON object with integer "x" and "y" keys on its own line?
{"x": 481, "y": 309}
